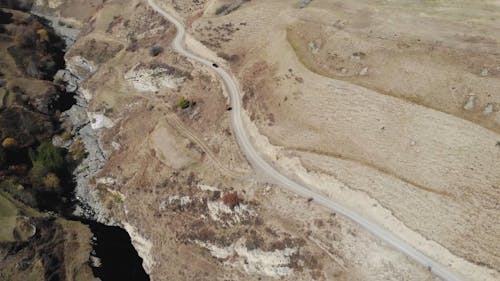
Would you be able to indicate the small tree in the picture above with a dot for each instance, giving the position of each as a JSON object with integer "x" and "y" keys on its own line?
{"x": 48, "y": 156}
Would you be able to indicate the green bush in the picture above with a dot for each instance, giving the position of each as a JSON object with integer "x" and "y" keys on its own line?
{"x": 184, "y": 103}
{"x": 48, "y": 156}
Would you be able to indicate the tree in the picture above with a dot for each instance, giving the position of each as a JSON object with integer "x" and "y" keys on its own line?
{"x": 48, "y": 156}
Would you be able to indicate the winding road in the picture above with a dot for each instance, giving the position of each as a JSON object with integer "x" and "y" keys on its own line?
{"x": 274, "y": 176}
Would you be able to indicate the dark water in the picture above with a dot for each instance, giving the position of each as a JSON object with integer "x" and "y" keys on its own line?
{"x": 120, "y": 261}
{"x": 112, "y": 245}
{"x": 63, "y": 102}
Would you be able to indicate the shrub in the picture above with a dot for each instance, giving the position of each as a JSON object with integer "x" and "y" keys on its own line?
{"x": 9, "y": 143}
{"x": 184, "y": 103}
{"x": 51, "y": 181}
{"x": 49, "y": 156}
{"x": 156, "y": 50}
{"x": 231, "y": 199}
{"x": 66, "y": 136}
{"x": 77, "y": 151}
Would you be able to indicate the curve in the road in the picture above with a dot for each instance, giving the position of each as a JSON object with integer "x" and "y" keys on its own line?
{"x": 276, "y": 177}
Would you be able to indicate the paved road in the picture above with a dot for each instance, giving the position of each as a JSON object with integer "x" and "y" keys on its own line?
{"x": 276, "y": 177}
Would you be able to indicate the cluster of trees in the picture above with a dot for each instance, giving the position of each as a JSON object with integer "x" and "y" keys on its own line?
{"x": 36, "y": 50}
{"x": 45, "y": 164}
{"x": 32, "y": 169}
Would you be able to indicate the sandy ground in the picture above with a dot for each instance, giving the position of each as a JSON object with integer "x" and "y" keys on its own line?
{"x": 342, "y": 105}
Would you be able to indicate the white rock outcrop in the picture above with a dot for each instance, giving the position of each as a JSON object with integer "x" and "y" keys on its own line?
{"x": 256, "y": 261}
{"x": 146, "y": 79}
{"x": 222, "y": 213}
{"x": 98, "y": 121}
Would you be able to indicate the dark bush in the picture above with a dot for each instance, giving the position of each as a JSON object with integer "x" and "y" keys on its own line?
{"x": 156, "y": 50}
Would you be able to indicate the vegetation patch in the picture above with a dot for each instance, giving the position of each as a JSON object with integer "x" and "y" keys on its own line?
{"x": 183, "y": 103}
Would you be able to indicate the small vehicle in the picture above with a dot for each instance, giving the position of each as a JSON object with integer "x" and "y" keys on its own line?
{"x": 229, "y": 108}
{"x": 215, "y": 65}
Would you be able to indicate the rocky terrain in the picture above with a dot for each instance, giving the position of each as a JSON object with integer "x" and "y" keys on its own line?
{"x": 388, "y": 108}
